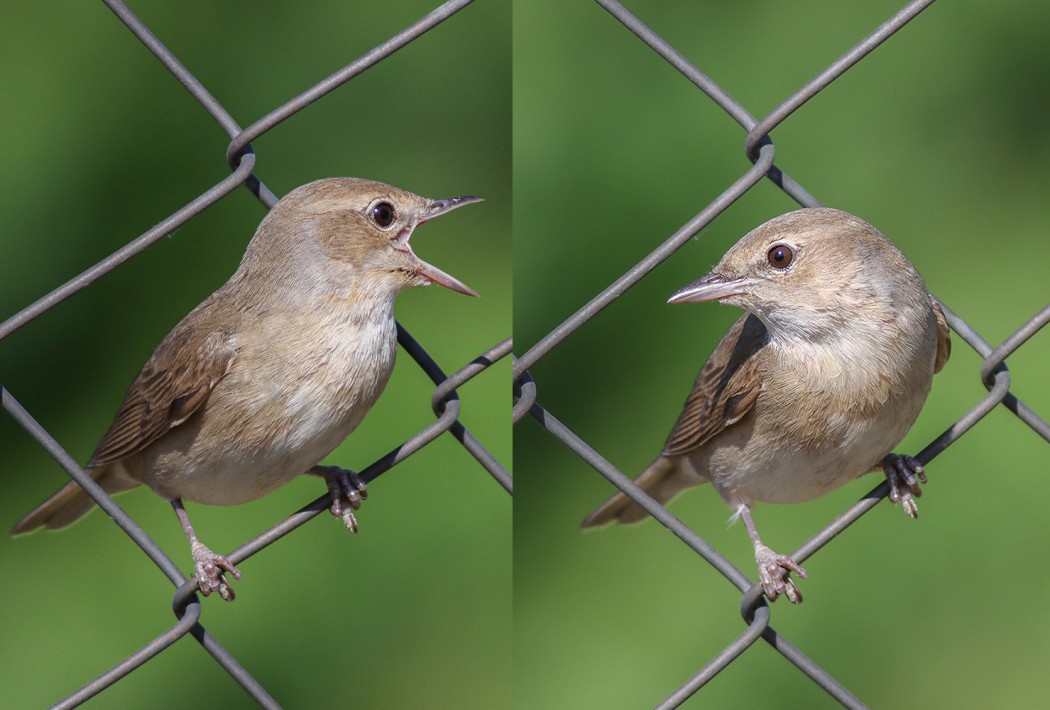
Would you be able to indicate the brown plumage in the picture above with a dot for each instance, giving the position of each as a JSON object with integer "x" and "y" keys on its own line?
{"x": 272, "y": 371}
{"x": 813, "y": 386}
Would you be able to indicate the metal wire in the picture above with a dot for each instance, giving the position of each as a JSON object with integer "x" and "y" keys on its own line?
{"x": 445, "y": 400}
{"x": 759, "y": 149}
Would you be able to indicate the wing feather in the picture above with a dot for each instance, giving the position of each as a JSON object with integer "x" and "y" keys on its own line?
{"x": 725, "y": 390}
{"x": 173, "y": 384}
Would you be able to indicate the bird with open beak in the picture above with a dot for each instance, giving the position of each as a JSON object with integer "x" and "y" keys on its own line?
{"x": 812, "y": 387}
{"x": 275, "y": 369}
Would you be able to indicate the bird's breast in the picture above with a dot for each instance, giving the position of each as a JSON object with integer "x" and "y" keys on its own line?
{"x": 296, "y": 389}
{"x": 332, "y": 384}
{"x": 826, "y": 414}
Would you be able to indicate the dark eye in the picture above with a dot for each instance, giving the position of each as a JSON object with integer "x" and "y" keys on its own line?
{"x": 383, "y": 214}
{"x": 780, "y": 256}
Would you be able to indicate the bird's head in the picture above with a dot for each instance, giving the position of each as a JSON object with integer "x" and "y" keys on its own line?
{"x": 359, "y": 229}
{"x": 811, "y": 272}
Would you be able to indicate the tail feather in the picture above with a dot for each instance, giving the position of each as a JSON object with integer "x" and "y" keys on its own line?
{"x": 70, "y": 502}
{"x": 663, "y": 480}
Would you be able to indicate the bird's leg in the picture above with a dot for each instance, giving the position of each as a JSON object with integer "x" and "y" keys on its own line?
{"x": 347, "y": 491}
{"x": 209, "y": 567}
{"x": 904, "y": 473}
{"x": 773, "y": 570}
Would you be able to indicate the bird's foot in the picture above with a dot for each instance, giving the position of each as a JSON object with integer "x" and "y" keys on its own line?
{"x": 347, "y": 490}
{"x": 211, "y": 571}
{"x": 904, "y": 474}
{"x": 774, "y": 573}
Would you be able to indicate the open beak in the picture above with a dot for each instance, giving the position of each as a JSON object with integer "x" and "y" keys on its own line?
{"x": 713, "y": 287}
{"x": 439, "y": 277}
{"x": 440, "y": 207}
{"x": 431, "y": 272}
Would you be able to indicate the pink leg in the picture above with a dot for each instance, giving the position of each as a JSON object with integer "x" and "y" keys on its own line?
{"x": 209, "y": 567}
{"x": 773, "y": 570}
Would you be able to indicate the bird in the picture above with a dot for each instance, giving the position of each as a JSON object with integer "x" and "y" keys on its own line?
{"x": 263, "y": 379}
{"x": 812, "y": 387}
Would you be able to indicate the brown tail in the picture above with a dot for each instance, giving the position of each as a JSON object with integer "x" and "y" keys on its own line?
{"x": 71, "y": 502}
{"x": 662, "y": 480}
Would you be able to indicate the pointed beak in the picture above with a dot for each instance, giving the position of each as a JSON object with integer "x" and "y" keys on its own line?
{"x": 440, "y": 207}
{"x": 713, "y": 287}
{"x": 431, "y": 272}
{"x": 439, "y": 277}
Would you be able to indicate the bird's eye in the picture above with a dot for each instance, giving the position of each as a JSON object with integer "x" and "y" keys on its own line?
{"x": 383, "y": 214}
{"x": 780, "y": 256}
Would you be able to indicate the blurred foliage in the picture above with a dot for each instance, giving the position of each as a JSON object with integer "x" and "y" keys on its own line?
{"x": 934, "y": 139}
{"x": 101, "y": 142}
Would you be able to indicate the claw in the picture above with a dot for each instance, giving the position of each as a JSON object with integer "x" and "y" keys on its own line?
{"x": 211, "y": 570}
{"x": 347, "y": 490}
{"x": 904, "y": 473}
{"x": 774, "y": 573}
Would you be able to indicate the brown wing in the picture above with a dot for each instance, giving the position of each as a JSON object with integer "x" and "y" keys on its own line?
{"x": 174, "y": 383}
{"x": 724, "y": 391}
{"x": 944, "y": 337}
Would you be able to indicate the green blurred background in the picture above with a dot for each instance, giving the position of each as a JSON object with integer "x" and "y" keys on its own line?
{"x": 101, "y": 142}
{"x": 936, "y": 138}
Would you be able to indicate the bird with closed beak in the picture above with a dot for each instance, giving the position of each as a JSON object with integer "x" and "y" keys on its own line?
{"x": 812, "y": 387}
{"x": 275, "y": 369}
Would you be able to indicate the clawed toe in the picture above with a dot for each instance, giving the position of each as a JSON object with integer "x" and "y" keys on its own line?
{"x": 211, "y": 570}
{"x": 774, "y": 572}
{"x": 347, "y": 490}
{"x": 904, "y": 474}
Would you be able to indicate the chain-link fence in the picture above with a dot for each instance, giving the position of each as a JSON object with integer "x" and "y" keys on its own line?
{"x": 981, "y": 356}
{"x": 759, "y": 148}
{"x": 443, "y": 398}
